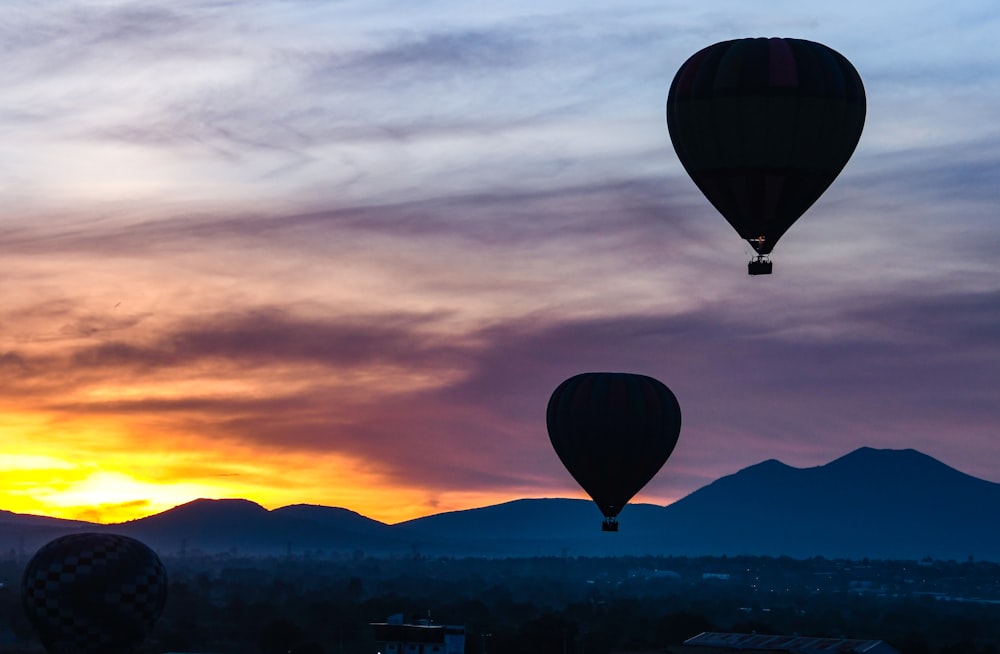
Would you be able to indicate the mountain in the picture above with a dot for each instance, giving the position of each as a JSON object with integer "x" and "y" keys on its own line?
{"x": 893, "y": 504}
{"x": 25, "y": 533}
{"x": 533, "y": 527}
{"x": 246, "y": 527}
{"x": 10, "y": 519}
{"x": 868, "y": 503}
{"x": 344, "y": 519}
{"x": 874, "y": 503}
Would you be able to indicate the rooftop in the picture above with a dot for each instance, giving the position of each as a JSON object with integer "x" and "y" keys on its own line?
{"x": 796, "y": 644}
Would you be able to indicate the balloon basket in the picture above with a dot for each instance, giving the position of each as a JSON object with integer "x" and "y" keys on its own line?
{"x": 759, "y": 266}
{"x": 609, "y": 524}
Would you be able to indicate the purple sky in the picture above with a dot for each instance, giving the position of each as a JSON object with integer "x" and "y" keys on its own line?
{"x": 342, "y": 252}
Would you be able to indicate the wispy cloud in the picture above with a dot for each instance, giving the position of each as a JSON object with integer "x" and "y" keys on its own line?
{"x": 372, "y": 240}
{"x": 470, "y": 412}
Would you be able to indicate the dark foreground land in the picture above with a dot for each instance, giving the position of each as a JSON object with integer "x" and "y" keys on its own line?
{"x": 557, "y": 604}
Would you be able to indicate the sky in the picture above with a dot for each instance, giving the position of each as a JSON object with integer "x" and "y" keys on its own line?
{"x": 341, "y": 253}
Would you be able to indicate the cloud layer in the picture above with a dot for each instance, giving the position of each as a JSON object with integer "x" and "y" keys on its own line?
{"x": 342, "y": 253}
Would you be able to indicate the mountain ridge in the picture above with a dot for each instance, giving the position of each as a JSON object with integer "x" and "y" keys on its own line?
{"x": 874, "y": 503}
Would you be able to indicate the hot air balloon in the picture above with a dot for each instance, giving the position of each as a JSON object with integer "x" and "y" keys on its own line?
{"x": 613, "y": 431}
{"x": 763, "y": 126}
{"x": 92, "y": 593}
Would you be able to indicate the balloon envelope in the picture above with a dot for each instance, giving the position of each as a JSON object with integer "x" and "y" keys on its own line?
{"x": 93, "y": 593}
{"x": 763, "y": 126}
{"x": 613, "y": 432}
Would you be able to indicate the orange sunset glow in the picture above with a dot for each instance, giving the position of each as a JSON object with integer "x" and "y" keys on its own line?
{"x": 95, "y": 475}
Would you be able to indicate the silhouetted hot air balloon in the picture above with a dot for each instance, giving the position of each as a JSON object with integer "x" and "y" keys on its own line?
{"x": 613, "y": 431}
{"x": 763, "y": 126}
{"x": 93, "y": 593}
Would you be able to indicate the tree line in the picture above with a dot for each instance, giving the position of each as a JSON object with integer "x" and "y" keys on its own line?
{"x": 550, "y": 605}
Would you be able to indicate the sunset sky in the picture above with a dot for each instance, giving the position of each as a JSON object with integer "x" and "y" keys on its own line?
{"x": 342, "y": 252}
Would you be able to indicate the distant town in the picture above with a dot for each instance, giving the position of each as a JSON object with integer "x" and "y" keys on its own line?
{"x": 578, "y": 605}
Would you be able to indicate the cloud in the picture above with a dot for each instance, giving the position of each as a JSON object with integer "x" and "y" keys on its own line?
{"x": 757, "y": 390}
{"x": 422, "y": 53}
{"x": 469, "y": 413}
{"x": 311, "y": 229}
{"x": 70, "y": 35}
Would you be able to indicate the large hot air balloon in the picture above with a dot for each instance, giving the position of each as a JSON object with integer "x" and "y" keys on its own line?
{"x": 613, "y": 431}
{"x": 763, "y": 126}
{"x": 93, "y": 593}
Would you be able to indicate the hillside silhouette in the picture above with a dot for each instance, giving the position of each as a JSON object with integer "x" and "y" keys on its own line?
{"x": 886, "y": 504}
{"x": 869, "y": 503}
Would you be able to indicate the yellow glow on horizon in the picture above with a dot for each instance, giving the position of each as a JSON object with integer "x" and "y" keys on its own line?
{"x": 99, "y": 471}
{"x": 126, "y": 483}
{"x": 95, "y": 472}
{"x": 116, "y": 497}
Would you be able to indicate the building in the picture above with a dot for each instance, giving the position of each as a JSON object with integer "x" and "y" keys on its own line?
{"x": 723, "y": 643}
{"x": 396, "y": 636}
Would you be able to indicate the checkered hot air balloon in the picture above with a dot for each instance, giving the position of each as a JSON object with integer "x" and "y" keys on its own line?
{"x": 93, "y": 593}
{"x": 763, "y": 127}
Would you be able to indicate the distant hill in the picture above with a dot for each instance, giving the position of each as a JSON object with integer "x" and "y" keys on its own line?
{"x": 892, "y": 504}
{"x": 21, "y": 533}
{"x": 245, "y": 527}
{"x": 874, "y": 503}
{"x": 533, "y": 527}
